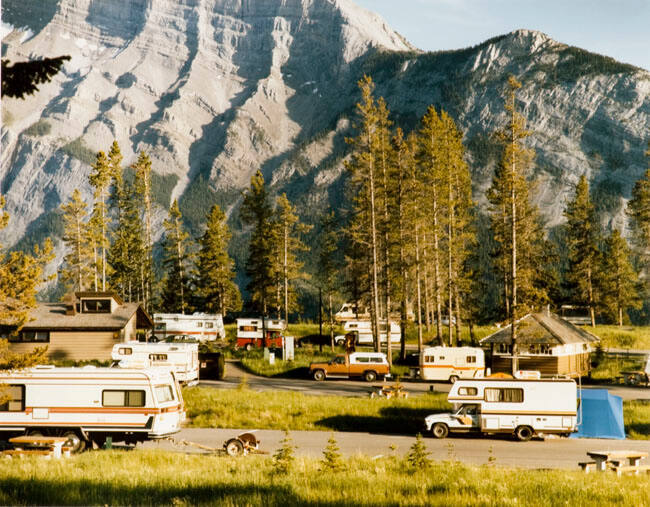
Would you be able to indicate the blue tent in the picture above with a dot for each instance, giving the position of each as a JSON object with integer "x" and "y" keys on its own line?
{"x": 602, "y": 415}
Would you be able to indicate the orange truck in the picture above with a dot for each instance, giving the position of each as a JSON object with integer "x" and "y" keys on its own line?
{"x": 366, "y": 365}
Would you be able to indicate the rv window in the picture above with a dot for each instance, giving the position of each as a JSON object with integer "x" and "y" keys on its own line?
{"x": 16, "y": 401}
{"x": 467, "y": 391}
{"x": 125, "y": 351}
{"x": 208, "y": 325}
{"x": 164, "y": 393}
{"x": 471, "y": 359}
{"x": 248, "y": 328}
{"x": 199, "y": 324}
{"x": 442, "y": 358}
{"x": 158, "y": 357}
{"x": 504, "y": 395}
{"x": 123, "y": 398}
{"x": 429, "y": 359}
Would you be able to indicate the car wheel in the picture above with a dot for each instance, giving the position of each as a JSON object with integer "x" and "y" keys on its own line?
{"x": 524, "y": 433}
{"x": 319, "y": 375}
{"x": 370, "y": 376}
{"x": 440, "y": 430}
{"x": 234, "y": 447}
{"x": 453, "y": 379}
{"x": 248, "y": 347}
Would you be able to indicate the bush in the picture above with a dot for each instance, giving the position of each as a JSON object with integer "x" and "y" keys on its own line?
{"x": 77, "y": 149}
{"x": 40, "y": 128}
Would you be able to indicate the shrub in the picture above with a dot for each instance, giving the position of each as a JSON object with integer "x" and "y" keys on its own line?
{"x": 284, "y": 457}
{"x": 332, "y": 456}
{"x": 77, "y": 149}
{"x": 40, "y": 128}
{"x": 418, "y": 456}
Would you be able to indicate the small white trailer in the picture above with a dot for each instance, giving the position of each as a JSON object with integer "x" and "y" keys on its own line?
{"x": 89, "y": 405}
{"x": 202, "y": 326}
{"x": 451, "y": 363}
{"x": 363, "y": 328}
{"x": 522, "y": 408}
{"x": 180, "y": 358}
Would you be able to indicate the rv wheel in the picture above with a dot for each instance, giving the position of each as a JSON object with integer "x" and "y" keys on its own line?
{"x": 234, "y": 447}
{"x": 524, "y": 433}
{"x": 440, "y": 430}
{"x": 77, "y": 443}
{"x": 453, "y": 379}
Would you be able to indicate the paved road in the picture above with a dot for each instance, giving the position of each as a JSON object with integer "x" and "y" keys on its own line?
{"x": 550, "y": 453}
{"x": 337, "y": 387}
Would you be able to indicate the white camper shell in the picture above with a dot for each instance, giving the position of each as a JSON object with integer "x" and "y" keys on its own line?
{"x": 90, "y": 404}
{"x": 519, "y": 407}
{"x": 363, "y": 328}
{"x": 250, "y": 332}
{"x": 180, "y": 358}
{"x": 201, "y": 326}
{"x": 451, "y": 363}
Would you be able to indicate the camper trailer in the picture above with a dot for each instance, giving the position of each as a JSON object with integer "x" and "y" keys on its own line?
{"x": 180, "y": 358}
{"x": 451, "y": 363}
{"x": 250, "y": 333}
{"x": 350, "y": 311}
{"x": 89, "y": 404}
{"x": 522, "y": 408}
{"x": 202, "y": 326}
{"x": 363, "y": 328}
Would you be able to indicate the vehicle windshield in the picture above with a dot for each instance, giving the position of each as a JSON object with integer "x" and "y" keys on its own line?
{"x": 164, "y": 393}
{"x": 338, "y": 360}
{"x": 468, "y": 410}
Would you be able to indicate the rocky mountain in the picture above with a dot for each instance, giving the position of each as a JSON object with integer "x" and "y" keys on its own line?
{"x": 215, "y": 89}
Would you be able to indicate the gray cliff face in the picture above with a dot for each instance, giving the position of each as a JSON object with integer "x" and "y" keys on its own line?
{"x": 215, "y": 89}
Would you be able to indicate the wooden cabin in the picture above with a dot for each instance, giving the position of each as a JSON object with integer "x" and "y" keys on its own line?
{"x": 84, "y": 326}
{"x": 546, "y": 343}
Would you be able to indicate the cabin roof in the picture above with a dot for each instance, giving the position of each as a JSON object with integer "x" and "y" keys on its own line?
{"x": 56, "y": 316}
{"x": 542, "y": 328}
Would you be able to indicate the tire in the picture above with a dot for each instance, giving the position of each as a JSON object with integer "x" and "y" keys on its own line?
{"x": 453, "y": 379}
{"x": 248, "y": 347}
{"x": 34, "y": 433}
{"x": 339, "y": 342}
{"x": 77, "y": 443}
{"x": 370, "y": 376}
{"x": 234, "y": 447}
{"x": 319, "y": 375}
{"x": 440, "y": 430}
{"x": 524, "y": 433}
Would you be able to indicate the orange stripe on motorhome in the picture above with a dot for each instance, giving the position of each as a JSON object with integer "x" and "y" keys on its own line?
{"x": 105, "y": 410}
{"x": 67, "y": 423}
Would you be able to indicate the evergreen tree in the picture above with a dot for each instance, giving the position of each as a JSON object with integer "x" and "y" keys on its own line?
{"x": 215, "y": 273}
{"x": 582, "y": 238}
{"x": 76, "y": 263}
{"x": 100, "y": 180}
{"x": 638, "y": 209}
{"x": 175, "y": 259}
{"x": 618, "y": 279}
{"x": 144, "y": 195}
{"x": 328, "y": 265}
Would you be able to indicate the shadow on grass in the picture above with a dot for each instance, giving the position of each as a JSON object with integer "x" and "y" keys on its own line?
{"x": 391, "y": 421}
{"x": 80, "y": 492}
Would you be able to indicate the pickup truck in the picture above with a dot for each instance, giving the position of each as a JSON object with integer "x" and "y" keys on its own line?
{"x": 366, "y": 365}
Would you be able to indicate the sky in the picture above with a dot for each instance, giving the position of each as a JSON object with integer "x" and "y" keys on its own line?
{"x": 616, "y": 28}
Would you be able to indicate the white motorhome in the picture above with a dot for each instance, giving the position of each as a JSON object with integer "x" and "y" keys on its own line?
{"x": 363, "y": 328}
{"x": 519, "y": 407}
{"x": 250, "y": 332}
{"x": 451, "y": 363}
{"x": 180, "y": 358}
{"x": 202, "y": 326}
{"x": 350, "y": 311}
{"x": 89, "y": 404}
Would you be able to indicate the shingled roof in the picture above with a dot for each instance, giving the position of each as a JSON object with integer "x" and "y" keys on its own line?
{"x": 542, "y": 328}
{"x": 53, "y": 316}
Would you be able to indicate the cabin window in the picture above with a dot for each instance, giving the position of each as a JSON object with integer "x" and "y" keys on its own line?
{"x": 209, "y": 325}
{"x": 31, "y": 336}
{"x": 158, "y": 357}
{"x": 248, "y": 328}
{"x": 125, "y": 351}
{"x": 123, "y": 398}
{"x": 471, "y": 359}
{"x": 504, "y": 394}
{"x": 164, "y": 393}
{"x": 16, "y": 399}
{"x": 540, "y": 349}
{"x": 199, "y": 324}
{"x": 467, "y": 391}
{"x": 96, "y": 306}
{"x": 503, "y": 348}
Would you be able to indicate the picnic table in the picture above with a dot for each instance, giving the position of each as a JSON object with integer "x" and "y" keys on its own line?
{"x": 615, "y": 460}
{"x": 386, "y": 391}
{"x": 37, "y": 445}
{"x": 634, "y": 378}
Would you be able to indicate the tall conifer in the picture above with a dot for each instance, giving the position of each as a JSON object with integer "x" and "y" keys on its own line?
{"x": 77, "y": 262}
{"x": 175, "y": 296}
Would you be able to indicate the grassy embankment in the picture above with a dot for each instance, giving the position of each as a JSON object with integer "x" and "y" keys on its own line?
{"x": 281, "y": 410}
{"x": 159, "y": 478}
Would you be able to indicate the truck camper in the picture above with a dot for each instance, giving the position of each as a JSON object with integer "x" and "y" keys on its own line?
{"x": 363, "y": 329}
{"x": 250, "y": 333}
{"x": 88, "y": 405}
{"x": 201, "y": 326}
{"x": 180, "y": 358}
{"x": 451, "y": 363}
{"x": 522, "y": 408}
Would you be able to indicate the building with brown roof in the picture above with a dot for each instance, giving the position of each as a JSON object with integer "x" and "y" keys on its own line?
{"x": 546, "y": 343}
{"x": 84, "y": 326}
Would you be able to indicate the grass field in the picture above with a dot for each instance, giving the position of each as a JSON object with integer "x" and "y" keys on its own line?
{"x": 625, "y": 337}
{"x": 159, "y": 478}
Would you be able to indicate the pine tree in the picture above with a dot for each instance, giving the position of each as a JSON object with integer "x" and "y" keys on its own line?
{"x": 257, "y": 213}
{"x": 332, "y": 459}
{"x": 638, "y": 209}
{"x": 76, "y": 264}
{"x": 328, "y": 265}
{"x": 284, "y": 457}
{"x": 100, "y": 180}
{"x": 175, "y": 259}
{"x": 215, "y": 273}
{"x": 582, "y": 238}
{"x": 144, "y": 196}
{"x": 418, "y": 456}
{"x": 618, "y": 278}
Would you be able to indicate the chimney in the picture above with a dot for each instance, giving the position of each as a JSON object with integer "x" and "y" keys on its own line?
{"x": 70, "y": 302}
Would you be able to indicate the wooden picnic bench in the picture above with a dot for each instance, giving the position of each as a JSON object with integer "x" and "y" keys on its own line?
{"x": 36, "y": 445}
{"x": 615, "y": 460}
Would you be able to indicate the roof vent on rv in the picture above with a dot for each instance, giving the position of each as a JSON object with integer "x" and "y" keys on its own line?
{"x": 89, "y": 367}
{"x": 44, "y": 366}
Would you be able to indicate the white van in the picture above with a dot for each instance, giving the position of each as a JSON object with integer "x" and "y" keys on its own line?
{"x": 180, "y": 358}
{"x": 90, "y": 404}
{"x": 201, "y": 326}
{"x": 451, "y": 363}
{"x": 519, "y": 407}
{"x": 364, "y": 330}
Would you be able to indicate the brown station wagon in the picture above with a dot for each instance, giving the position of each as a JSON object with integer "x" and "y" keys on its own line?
{"x": 366, "y": 365}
